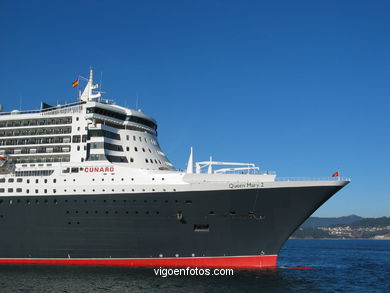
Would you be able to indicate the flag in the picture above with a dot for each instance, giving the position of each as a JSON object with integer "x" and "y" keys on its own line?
{"x": 2, "y": 158}
{"x": 336, "y": 174}
{"x": 75, "y": 83}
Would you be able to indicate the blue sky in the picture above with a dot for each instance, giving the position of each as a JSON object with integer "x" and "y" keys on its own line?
{"x": 298, "y": 87}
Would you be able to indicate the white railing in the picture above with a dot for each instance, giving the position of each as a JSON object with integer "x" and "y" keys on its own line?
{"x": 56, "y": 108}
{"x": 312, "y": 179}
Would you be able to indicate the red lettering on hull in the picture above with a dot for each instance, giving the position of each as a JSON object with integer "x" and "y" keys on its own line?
{"x": 99, "y": 169}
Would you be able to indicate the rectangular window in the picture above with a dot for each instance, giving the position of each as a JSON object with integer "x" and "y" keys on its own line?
{"x": 10, "y": 190}
{"x": 76, "y": 139}
{"x": 18, "y": 190}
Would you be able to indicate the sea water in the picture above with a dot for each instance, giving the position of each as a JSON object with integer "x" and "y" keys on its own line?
{"x": 303, "y": 266}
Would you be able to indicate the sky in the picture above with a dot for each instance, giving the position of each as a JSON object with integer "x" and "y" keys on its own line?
{"x": 297, "y": 87}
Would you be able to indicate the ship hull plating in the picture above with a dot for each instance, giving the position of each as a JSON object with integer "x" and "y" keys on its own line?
{"x": 225, "y": 228}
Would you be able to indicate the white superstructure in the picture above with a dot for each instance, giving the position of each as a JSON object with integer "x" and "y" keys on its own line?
{"x": 93, "y": 146}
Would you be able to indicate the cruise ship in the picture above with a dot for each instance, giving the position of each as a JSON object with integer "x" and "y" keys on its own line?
{"x": 87, "y": 183}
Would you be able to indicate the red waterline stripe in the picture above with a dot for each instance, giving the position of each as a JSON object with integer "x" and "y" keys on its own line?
{"x": 264, "y": 261}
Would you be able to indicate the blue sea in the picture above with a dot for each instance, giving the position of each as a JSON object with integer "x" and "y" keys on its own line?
{"x": 334, "y": 266}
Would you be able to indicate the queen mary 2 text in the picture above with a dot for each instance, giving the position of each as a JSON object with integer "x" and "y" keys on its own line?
{"x": 99, "y": 169}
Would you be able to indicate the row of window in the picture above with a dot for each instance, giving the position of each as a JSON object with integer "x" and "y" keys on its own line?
{"x": 36, "y": 131}
{"x": 107, "y": 146}
{"x": 11, "y": 190}
{"x": 56, "y": 201}
{"x": 43, "y": 159}
{"x": 50, "y": 172}
{"x": 32, "y": 122}
{"x": 122, "y": 117}
{"x": 39, "y": 150}
{"x": 38, "y": 140}
{"x": 103, "y": 133}
{"x": 31, "y": 173}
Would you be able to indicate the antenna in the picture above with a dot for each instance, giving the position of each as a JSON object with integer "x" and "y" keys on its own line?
{"x": 136, "y": 103}
{"x": 101, "y": 80}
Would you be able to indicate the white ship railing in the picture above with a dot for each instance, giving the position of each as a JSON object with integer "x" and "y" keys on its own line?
{"x": 49, "y": 111}
{"x": 312, "y": 179}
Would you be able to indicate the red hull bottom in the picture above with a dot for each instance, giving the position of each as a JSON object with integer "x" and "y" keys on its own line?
{"x": 255, "y": 262}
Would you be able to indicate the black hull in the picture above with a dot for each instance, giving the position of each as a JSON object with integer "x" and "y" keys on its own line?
{"x": 179, "y": 224}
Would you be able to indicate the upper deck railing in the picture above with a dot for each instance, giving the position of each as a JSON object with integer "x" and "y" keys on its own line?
{"x": 47, "y": 111}
{"x": 312, "y": 179}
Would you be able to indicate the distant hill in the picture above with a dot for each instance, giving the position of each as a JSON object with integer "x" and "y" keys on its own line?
{"x": 349, "y": 227}
{"x": 315, "y": 222}
{"x": 367, "y": 222}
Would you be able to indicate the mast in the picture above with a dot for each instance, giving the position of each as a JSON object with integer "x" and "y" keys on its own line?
{"x": 88, "y": 94}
